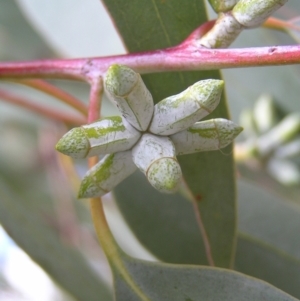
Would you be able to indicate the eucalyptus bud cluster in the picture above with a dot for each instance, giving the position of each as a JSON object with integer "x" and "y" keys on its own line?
{"x": 147, "y": 137}
{"x": 274, "y": 141}
{"x": 236, "y": 15}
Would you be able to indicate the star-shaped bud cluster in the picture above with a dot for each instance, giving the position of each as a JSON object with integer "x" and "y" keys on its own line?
{"x": 147, "y": 137}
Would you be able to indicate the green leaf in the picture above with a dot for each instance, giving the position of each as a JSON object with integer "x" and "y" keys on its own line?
{"x": 269, "y": 243}
{"x": 256, "y": 258}
{"x": 147, "y": 25}
{"x": 25, "y": 223}
{"x": 268, "y": 218}
{"x": 190, "y": 283}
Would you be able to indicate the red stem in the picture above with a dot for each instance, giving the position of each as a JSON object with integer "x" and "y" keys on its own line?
{"x": 56, "y": 92}
{"x": 185, "y": 57}
{"x": 40, "y": 109}
{"x": 95, "y": 99}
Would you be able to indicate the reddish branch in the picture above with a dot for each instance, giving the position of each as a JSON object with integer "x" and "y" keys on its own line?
{"x": 189, "y": 55}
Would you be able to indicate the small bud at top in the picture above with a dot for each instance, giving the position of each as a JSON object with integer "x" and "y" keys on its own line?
{"x": 222, "y": 5}
{"x": 252, "y": 13}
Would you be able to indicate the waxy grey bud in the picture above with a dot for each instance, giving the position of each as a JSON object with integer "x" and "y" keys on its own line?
{"x": 252, "y": 13}
{"x": 127, "y": 90}
{"x": 178, "y": 112}
{"x": 106, "y": 174}
{"x": 206, "y": 135}
{"x": 107, "y": 135}
{"x": 156, "y": 157}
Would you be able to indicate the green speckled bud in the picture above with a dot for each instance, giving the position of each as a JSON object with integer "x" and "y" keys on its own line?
{"x": 208, "y": 135}
{"x": 74, "y": 143}
{"x": 252, "y": 13}
{"x": 128, "y": 91}
{"x": 107, "y": 174}
{"x": 284, "y": 171}
{"x": 224, "y": 32}
{"x": 165, "y": 175}
{"x": 155, "y": 157}
{"x": 107, "y": 135}
{"x": 264, "y": 113}
{"x": 178, "y": 112}
{"x": 283, "y": 132}
{"x": 222, "y": 5}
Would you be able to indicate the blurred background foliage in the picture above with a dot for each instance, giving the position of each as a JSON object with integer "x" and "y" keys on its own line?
{"x": 47, "y": 220}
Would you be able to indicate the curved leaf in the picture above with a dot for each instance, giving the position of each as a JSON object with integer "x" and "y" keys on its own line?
{"x": 268, "y": 218}
{"x": 191, "y": 283}
{"x": 256, "y": 258}
{"x": 209, "y": 175}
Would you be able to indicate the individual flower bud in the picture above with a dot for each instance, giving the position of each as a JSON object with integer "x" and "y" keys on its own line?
{"x": 248, "y": 123}
{"x": 106, "y": 174}
{"x": 284, "y": 131}
{"x": 224, "y": 32}
{"x": 155, "y": 157}
{"x": 178, "y": 112}
{"x": 252, "y": 13}
{"x": 222, "y": 5}
{"x": 264, "y": 113}
{"x": 284, "y": 171}
{"x": 206, "y": 135}
{"x": 128, "y": 91}
{"x": 107, "y": 135}
{"x": 288, "y": 150}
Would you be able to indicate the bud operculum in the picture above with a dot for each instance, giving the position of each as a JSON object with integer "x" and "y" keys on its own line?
{"x": 156, "y": 157}
{"x": 127, "y": 90}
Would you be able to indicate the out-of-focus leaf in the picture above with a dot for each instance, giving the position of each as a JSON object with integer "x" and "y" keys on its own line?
{"x": 18, "y": 40}
{"x": 169, "y": 282}
{"x": 245, "y": 85}
{"x": 268, "y": 218}
{"x": 261, "y": 178}
{"x": 256, "y": 258}
{"x": 74, "y": 28}
{"x": 209, "y": 175}
{"x": 25, "y": 222}
{"x": 268, "y": 243}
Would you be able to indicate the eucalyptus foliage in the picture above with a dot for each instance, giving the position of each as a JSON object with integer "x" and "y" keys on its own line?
{"x": 224, "y": 230}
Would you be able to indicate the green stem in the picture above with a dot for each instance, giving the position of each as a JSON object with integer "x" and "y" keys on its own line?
{"x": 110, "y": 247}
